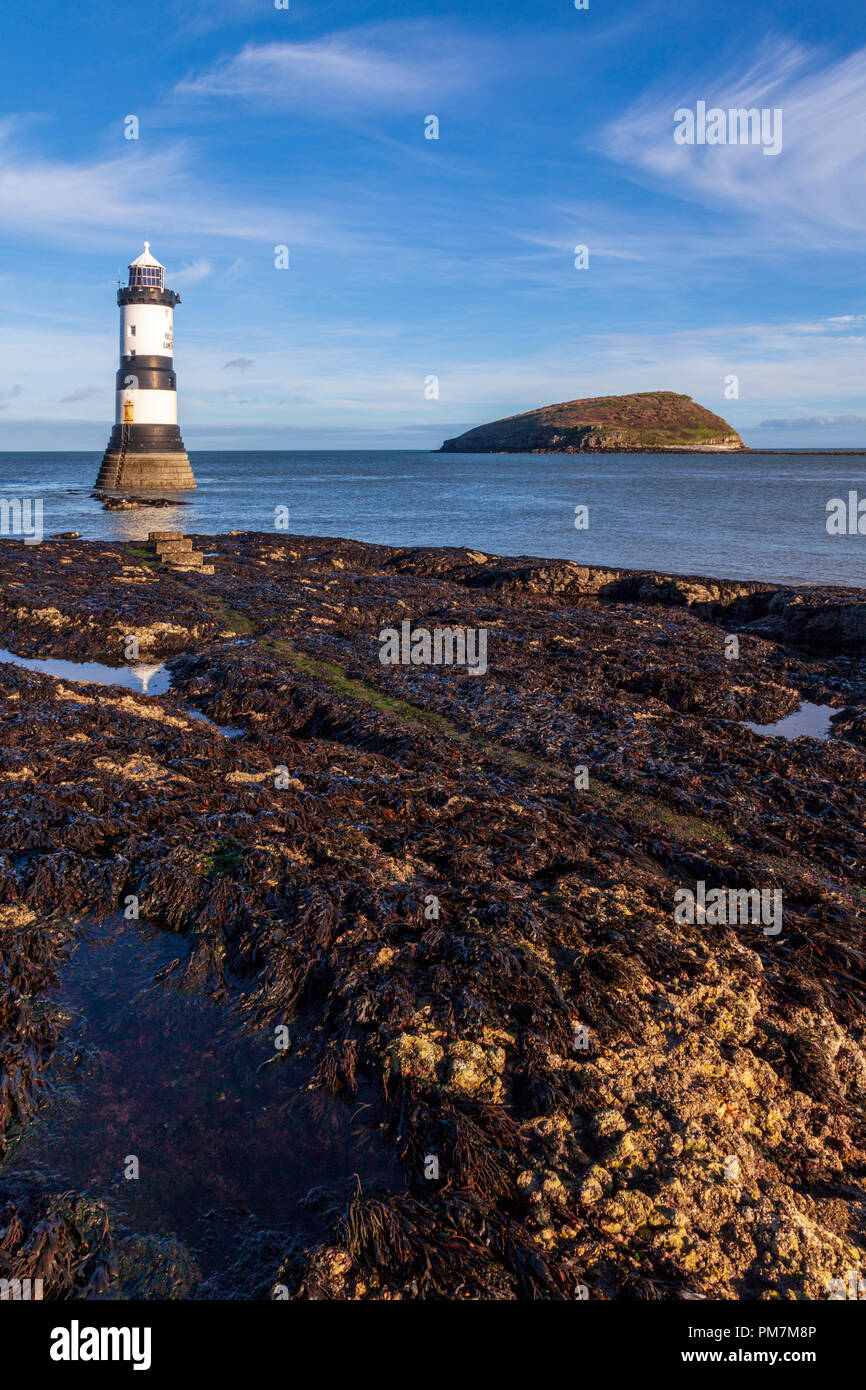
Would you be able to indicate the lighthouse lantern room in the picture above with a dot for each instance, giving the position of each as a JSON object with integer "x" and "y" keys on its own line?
{"x": 145, "y": 450}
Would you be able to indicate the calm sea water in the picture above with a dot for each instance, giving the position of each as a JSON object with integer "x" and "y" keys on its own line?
{"x": 753, "y": 516}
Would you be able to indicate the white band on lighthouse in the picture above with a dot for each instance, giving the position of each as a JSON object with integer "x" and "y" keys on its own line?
{"x": 146, "y": 407}
{"x": 145, "y": 451}
{"x": 146, "y": 330}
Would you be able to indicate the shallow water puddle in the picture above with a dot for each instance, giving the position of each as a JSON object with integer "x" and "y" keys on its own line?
{"x": 812, "y": 721}
{"x": 150, "y": 1069}
{"x": 226, "y": 730}
{"x": 145, "y": 678}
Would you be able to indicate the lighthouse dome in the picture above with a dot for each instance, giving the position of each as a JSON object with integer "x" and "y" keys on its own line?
{"x": 146, "y": 270}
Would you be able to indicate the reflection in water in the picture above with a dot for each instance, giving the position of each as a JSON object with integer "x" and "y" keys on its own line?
{"x": 135, "y": 524}
{"x": 217, "y": 1118}
{"x": 809, "y": 721}
{"x": 145, "y": 677}
{"x": 227, "y": 730}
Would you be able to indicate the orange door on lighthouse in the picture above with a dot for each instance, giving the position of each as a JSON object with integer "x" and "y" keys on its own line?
{"x": 127, "y": 411}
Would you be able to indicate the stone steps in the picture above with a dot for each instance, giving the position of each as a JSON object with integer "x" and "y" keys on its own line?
{"x": 174, "y": 549}
{"x": 164, "y": 548}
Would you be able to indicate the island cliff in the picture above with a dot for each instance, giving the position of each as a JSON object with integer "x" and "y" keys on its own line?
{"x": 646, "y": 421}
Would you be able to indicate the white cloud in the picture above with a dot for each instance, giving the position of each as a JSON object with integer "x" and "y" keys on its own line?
{"x": 815, "y": 188}
{"x": 190, "y": 274}
{"x": 383, "y": 66}
{"x": 136, "y": 193}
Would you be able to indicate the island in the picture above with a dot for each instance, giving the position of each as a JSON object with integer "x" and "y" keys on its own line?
{"x": 645, "y": 422}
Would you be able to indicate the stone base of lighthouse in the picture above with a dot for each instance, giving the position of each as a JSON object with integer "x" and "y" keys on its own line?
{"x": 145, "y": 458}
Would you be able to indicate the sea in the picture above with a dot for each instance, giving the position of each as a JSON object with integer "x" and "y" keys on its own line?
{"x": 730, "y": 516}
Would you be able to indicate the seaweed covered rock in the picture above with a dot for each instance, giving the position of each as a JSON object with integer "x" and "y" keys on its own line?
{"x": 460, "y": 893}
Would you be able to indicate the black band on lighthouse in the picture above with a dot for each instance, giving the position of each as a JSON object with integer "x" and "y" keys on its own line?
{"x": 154, "y": 363}
{"x": 138, "y": 378}
{"x": 140, "y": 294}
{"x": 147, "y": 439}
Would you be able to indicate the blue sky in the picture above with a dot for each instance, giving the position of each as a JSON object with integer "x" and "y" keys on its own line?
{"x": 413, "y": 258}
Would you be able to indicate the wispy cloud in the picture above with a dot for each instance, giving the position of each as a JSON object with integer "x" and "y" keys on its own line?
{"x": 376, "y": 67}
{"x": 83, "y": 395}
{"x": 160, "y": 192}
{"x": 191, "y": 274}
{"x": 242, "y": 363}
{"x": 811, "y": 423}
{"x": 814, "y": 188}
{"x": 199, "y": 19}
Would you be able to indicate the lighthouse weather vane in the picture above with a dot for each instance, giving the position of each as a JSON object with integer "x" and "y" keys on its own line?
{"x": 145, "y": 449}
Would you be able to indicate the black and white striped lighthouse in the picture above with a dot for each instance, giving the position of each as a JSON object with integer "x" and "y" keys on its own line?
{"x": 145, "y": 450}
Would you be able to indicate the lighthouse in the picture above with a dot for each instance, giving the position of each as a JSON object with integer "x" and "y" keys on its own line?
{"x": 145, "y": 450}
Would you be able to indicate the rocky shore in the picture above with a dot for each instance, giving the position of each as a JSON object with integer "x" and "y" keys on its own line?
{"x": 457, "y": 893}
